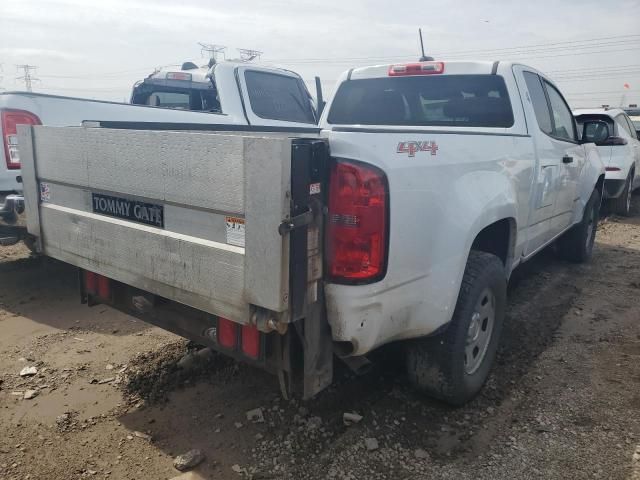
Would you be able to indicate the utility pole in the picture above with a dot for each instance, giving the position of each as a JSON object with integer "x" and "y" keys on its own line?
{"x": 212, "y": 50}
{"x": 27, "y": 78}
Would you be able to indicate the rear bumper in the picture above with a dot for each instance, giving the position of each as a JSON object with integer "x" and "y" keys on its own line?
{"x": 613, "y": 187}
{"x": 12, "y": 219}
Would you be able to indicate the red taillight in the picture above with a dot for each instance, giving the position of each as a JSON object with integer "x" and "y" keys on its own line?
{"x": 10, "y": 119}
{"x": 612, "y": 169}
{"x": 357, "y": 229}
{"x": 104, "y": 287}
{"x": 251, "y": 341}
{"x": 422, "y": 68}
{"x": 227, "y": 333}
{"x": 91, "y": 282}
{"x": 96, "y": 284}
{"x": 178, "y": 76}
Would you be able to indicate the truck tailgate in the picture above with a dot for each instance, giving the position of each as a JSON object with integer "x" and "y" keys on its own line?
{"x": 192, "y": 217}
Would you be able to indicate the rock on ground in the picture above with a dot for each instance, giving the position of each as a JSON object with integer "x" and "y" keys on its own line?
{"x": 188, "y": 460}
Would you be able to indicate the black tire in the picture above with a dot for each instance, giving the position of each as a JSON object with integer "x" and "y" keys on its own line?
{"x": 30, "y": 242}
{"x": 577, "y": 244}
{"x": 622, "y": 204}
{"x": 436, "y": 364}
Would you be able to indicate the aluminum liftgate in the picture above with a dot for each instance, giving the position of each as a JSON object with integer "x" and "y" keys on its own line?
{"x": 224, "y": 224}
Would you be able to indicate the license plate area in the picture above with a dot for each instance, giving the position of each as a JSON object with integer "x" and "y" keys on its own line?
{"x": 136, "y": 211}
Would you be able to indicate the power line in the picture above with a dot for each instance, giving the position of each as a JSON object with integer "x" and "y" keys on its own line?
{"x": 27, "y": 78}
{"x": 604, "y": 68}
{"x": 622, "y": 39}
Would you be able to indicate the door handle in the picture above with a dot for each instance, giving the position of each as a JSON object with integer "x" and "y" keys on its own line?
{"x": 567, "y": 159}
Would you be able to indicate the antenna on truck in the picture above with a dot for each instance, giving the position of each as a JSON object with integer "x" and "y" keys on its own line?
{"x": 212, "y": 50}
{"x": 423, "y": 58}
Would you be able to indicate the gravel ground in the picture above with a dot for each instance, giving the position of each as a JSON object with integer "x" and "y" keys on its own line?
{"x": 111, "y": 400}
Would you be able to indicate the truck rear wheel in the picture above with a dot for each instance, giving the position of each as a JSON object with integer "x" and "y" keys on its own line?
{"x": 454, "y": 365}
{"x": 622, "y": 204}
{"x": 577, "y": 244}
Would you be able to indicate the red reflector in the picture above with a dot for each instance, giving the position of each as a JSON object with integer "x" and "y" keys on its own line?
{"x": 251, "y": 341}
{"x": 10, "y": 119}
{"x": 612, "y": 169}
{"x": 91, "y": 282}
{"x": 357, "y": 230}
{"x": 227, "y": 333}
{"x": 422, "y": 68}
{"x": 104, "y": 287}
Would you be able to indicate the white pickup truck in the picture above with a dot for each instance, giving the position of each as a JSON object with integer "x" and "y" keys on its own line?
{"x": 400, "y": 219}
{"x": 235, "y": 94}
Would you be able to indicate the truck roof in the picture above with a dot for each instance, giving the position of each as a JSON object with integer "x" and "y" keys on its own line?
{"x": 200, "y": 74}
{"x": 448, "y": 67}
{"x": 610, "y": 112}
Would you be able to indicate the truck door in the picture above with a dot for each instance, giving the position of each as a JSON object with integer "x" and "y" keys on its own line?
{"x": 547, "y": 166}
{"x": 566, "y": 148}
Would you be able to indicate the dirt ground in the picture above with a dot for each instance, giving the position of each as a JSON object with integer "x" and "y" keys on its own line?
{"x": 111, "y": 402}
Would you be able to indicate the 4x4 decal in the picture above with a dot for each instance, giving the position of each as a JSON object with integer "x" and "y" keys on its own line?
{"x": 412, "y": 147}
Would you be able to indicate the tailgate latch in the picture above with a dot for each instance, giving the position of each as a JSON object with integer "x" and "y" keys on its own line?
{"x": 298, "y": 221}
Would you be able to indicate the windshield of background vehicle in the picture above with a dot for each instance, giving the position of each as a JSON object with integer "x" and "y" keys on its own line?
{"x": 199, "y": 100}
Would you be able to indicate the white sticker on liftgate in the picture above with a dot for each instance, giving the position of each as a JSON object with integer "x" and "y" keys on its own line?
{"x": 45, "y": 192}
{"x": 235, "y": 231}
{"x": 314, "y": 189}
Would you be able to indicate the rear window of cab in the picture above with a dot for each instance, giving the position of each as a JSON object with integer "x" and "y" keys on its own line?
{"x": 424, "y": 100}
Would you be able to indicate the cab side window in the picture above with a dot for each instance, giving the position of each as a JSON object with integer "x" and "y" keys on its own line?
{"x": 539, "y": 102}
{"x": 632, "y": 129}
{"x": 623, "y": 125}
{"x": 563, "y": 123}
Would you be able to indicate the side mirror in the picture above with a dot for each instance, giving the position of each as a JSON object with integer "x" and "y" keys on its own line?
{"x": 613, "y": 141}
{"x": 595, "y": 131}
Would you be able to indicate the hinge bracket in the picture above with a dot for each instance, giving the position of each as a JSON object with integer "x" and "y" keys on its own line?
{"x": 298, "y": 221}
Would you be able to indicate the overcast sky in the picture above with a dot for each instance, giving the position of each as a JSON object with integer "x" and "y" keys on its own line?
{"x": 98, "y": 49}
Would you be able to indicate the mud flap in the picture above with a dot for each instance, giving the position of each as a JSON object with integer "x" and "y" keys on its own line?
{"x": 318, "y": 352}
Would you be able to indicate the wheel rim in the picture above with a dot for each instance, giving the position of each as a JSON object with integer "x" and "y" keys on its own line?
{"x": 479, "y": 332}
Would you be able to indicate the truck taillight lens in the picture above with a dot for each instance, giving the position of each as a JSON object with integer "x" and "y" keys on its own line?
{"x": 357, "y": 223}
{"x": 96, "y": 284}
{"x": 178, "y": 76}
{"x": 251, "y": 341}
{"x": 104, "y": 287}
{"x": 227, "y": 333}
{"x": 91, "y": 282}
{"x": 422, "y": 68}
{"x": 10, "y": 119}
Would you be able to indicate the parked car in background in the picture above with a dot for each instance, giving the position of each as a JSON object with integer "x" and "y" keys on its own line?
{"x": 634, "y": 115}
{"x": 234, "y": 94}
{"x": 619, "y": 147}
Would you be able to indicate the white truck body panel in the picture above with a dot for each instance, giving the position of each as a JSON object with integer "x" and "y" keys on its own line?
{"x": 439, "y": 203}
